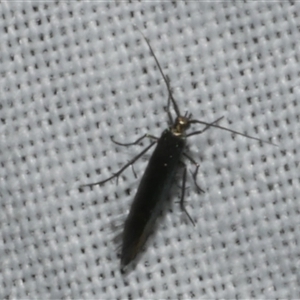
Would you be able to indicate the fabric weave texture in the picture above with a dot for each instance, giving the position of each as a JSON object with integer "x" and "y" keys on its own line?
{"x": 75, "y": 74}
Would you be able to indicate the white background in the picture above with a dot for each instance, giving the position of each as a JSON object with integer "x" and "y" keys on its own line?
{"x": 72, "y": 75}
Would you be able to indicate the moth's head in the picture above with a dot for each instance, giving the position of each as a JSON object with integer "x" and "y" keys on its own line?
{"x": 181, "y": 124}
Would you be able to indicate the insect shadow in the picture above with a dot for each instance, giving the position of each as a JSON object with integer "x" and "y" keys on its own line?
{"x": 158, "y": 176}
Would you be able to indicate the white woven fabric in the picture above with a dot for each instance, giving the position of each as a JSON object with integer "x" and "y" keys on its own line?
{"x": 72, "y": 75}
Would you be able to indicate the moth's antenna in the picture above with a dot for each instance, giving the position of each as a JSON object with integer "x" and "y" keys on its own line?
{"x": 227, "y": 129}
{"x": 161, "y": 72}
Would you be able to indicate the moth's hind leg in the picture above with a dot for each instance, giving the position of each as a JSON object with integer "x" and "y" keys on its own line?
{"x": 194, "y": 174}
{"x": 183, "y": 188}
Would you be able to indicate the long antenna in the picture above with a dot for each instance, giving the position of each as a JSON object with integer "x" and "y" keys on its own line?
{"x": 161, "y": 72}
{"x": 227, "y": 129}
